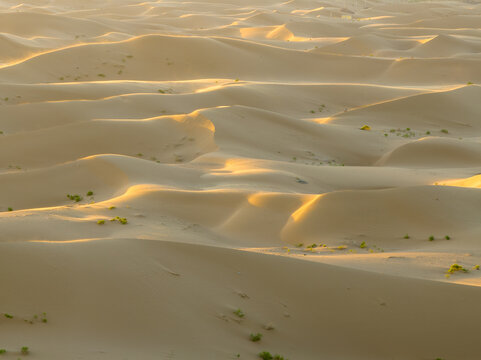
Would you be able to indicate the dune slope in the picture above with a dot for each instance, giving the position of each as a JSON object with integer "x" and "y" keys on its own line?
{"x": 178, "y": 176}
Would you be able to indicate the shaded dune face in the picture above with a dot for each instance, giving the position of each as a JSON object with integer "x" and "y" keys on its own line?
{"x": 166, "y": 167}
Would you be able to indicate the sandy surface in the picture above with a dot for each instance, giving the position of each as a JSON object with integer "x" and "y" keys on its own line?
{"x": 315, "y": 164}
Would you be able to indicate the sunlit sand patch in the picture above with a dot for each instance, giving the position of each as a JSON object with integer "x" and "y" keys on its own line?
{"x": 471, "y": 182}
{"x": 305, "y": 12}
{"x": 68, "y": 241}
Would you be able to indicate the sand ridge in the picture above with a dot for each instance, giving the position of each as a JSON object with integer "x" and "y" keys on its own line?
{"x": 315, "y": 164}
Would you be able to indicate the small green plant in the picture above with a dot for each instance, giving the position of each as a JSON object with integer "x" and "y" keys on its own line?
{"x": 255, "y": 337}
{"x": 363, "y": 245}
{"x": 469, "y": 83}
{"x": 455, "y": 267}
{"x": 90, "y": 193}
{"x": 365, "y": 127}
{"x": 447, "y": 237}
{"x": 279, "y": 357}
{"x": 406, "y": 236}
{"x": 10, "y": 209}
{"x": 476, "y": 267}
{"x": 239, "y": 313}
{"x": 101, "y": 75}
{"x": 8, "y": 316}
{"x": 3, "y": 351}
{"x": 101, "y": 222}
{"x": 75, "y": 197}
{"x": 25, "y": 350}
{"x": 121, "y": 220}
{"x": 266, "y": 355}
{"x": 444, "y": 131}
{"x": 312, "y": 246}
{"x": 112, "y": 208}
{"x": 428, "y": 132}
{"x": 300, "y": 245}
{"x": 431, "y": 238}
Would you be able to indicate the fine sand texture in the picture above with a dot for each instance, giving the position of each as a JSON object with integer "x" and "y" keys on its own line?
{"x": 178, "y": 176}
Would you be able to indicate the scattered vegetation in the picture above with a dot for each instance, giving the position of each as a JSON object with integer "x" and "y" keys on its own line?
{"x": 90, "y": 193}
{"x": 407, "y": 236}
{"x": 76, "y": 197}
{"x": 431, "y": 238}
{"x": 447, "y": 237}
{"x": 8, "y": 316}
{"x": 239, "y": 313}
{"x": 363, "y": 245}
{"x": 3, "y": 351}
{"x": 455, "y": 268}
{"x": 112, "y": 208}
{"x": 365, "y": 127}
{"x": 444, "y": 131}
{"x": 405, "y": 133}
{"x": 25, "y": 350}
{"x": 255, "y": 337}
{"x": 476, "y": 267}
{"x": 101, "y": 222}
{"x": 121, "y": 220}
{"x": 10, "y": 209}
{"x": 265, "y": 355}
{"x": 166, "y": 91}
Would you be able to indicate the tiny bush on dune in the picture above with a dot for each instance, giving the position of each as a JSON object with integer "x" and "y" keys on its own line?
{"x": 75, "y": 197}
{"x": 239, "y": 313}
{"x": 255, "y": 337}
{"x": 456, "y": 267}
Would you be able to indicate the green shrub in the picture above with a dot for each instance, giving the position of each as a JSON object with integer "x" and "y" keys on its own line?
{"x": 239, "y": 313}
{"x": 255, "y": 337}
{"x": 75, "y": 197}
{"x": 456, "y": 267}
{"x": 25, "y": 350}
{"x": 121, "y": 220}
{"x": 265, "y": 355}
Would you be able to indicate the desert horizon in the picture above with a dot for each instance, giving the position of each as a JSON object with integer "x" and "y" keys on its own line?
{"x": 235, "y": 179}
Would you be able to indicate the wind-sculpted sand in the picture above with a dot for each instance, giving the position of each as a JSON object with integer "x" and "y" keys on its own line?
{"x": 176, "y": 176}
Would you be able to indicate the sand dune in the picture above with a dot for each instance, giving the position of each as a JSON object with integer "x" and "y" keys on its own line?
{"x": 176, "y": 176}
